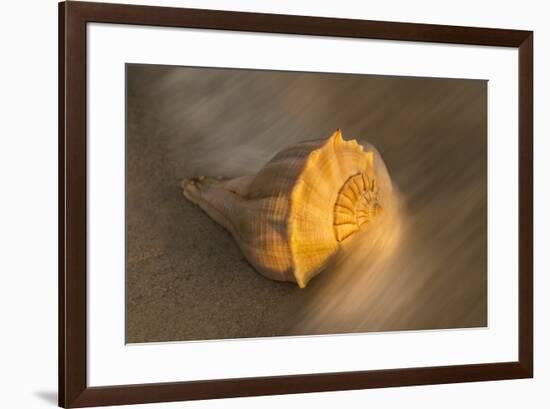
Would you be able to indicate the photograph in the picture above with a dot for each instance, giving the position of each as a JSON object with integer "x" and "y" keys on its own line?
{"x": 265, "y": 203}
{"x": 273, "y": 204}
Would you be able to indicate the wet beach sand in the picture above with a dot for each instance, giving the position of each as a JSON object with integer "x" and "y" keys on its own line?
{"x": 425, "y": 267}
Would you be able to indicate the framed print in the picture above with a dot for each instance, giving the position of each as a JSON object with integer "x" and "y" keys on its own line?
{"x": 255, "y": 204}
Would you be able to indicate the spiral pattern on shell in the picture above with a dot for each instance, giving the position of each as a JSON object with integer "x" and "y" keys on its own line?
{"x": 357, "y": 204}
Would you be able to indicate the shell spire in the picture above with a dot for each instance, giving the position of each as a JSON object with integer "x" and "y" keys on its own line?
{"x": 293, "y": 215}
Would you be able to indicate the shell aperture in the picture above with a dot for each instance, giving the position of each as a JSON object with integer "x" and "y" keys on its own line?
{"x": 291, "y": 218}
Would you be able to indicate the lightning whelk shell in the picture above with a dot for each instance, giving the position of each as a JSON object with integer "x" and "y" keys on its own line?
{"x": 292, "y": 217}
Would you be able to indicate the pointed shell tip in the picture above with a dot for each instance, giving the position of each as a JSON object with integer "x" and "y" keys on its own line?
{"x": 337, "y": 136}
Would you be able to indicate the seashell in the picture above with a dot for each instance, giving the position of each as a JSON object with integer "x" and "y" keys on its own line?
{"x": 292, "y": 217}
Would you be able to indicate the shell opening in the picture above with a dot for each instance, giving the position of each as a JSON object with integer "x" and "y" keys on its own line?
{"x": 356, "y": 205}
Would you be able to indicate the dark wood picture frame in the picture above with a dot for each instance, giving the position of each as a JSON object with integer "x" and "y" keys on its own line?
{"x": 73, "y": 388}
